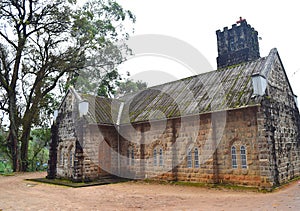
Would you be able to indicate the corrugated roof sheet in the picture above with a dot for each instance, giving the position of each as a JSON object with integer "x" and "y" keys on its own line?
{"x": 222, "y": 89}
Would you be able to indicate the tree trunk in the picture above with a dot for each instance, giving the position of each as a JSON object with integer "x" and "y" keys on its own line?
{"x": 13, "y": 112}
{"x": 31, "y": 113}
{"x": 13, "y": 132}
{"x": 26, "y": 129}
{"x": 24, "y": 146}
{"x": 29, "y": 116}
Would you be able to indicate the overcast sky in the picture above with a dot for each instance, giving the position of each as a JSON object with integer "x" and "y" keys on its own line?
{"x": 195, "y": 23}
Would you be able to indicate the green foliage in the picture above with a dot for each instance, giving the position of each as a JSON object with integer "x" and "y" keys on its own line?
{"x": 100, "y": 27}
{"x": 38, "y": 152}
{"x": 2, "y": 143}
{"x": 129, "y": 86}
{"x": 5, "y": 165}
{"x": 108, "y": 84}
{"x": 46, "y": 46}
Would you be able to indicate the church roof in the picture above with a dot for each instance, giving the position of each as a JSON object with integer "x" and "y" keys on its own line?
{"x": 222, "y": 89}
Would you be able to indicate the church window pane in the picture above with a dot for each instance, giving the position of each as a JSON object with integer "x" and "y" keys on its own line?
{"x": 160, "y": 157}
{"x": 189, "y": 158}
{"x": 233, "y": 157}
{"x": 61, "y": 157}
{"x": 154, "y": 157}
{"x": 196, "y": 156}
{"x": 132, "y": 157}
{"x": 243, "y": 157}
{"x": 128, "y": 156}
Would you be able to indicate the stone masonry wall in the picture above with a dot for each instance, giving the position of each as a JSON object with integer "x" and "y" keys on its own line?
{"x": 240, "y": 131}
{"x": 176, "y": 136}
{"x": 66, "y": 144}
{"x": 280, "y": 128}
{"x": 83, "y": 151}
{"x": 99, "y": 151}
{"x": 215, "y": 139}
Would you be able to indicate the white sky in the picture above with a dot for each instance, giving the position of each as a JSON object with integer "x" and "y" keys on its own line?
{"x": 195, "y": 22}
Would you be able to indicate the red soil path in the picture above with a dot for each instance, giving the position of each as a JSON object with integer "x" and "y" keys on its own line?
{"x": 19, "y": 194}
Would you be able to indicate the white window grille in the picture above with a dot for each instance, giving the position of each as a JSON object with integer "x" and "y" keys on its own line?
{"x": 243, "y": 157}
{"x": 196, "y": 158}
{"x": 189, "y": 158}
{"x": 154, "y": 157}
{"x": 233, "y": 157}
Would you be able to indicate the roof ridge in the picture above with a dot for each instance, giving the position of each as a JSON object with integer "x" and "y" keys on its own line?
{"x": 269, "y": 62}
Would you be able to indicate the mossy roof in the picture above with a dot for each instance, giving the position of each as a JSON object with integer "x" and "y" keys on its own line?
{"x": 101, "y": 109}
{"x": 222, "y": 89}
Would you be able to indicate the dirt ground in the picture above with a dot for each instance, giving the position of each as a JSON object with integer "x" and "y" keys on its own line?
{"x": 19, "y": 194}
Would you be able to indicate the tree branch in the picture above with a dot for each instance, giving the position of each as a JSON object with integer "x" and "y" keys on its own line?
{"x": 8, "y": 40}
{"x": 3, "y": 79}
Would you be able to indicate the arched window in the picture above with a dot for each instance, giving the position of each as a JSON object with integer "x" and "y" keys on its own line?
{"x": 196, "y": 158}
{"x": 154, "y": 157}
{"x": 243, "y": 157}
{"x": 128, "y": 156}
{"x": 71, "y": 157}
{"x": 189, "y": 158}
{"x": 61, "y": 156}
{"x": 132, "y": 156}
{"x": 161, "y": 162}
{"x": 233, "y": 157}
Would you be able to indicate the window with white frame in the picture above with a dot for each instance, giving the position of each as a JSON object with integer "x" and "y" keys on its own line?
{"x": 71, "y": 157}
{"x": 196, "y": 158}
{"x": 154, "y": 157}
{"x": 61, "y": 157}
{"x": 189, "y": 158}
{"x": 132, "y": 157}
{"x": 161, "y": 158}
{"x": 128, "y": 156}
{"x": 243, "y": 157}
{"x": 233, "y": 157}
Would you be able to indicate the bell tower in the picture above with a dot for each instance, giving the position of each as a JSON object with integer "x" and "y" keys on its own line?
{"x": 237, "y": 45}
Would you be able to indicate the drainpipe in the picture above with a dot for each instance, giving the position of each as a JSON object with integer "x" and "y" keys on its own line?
{"x": 118, "y": 129}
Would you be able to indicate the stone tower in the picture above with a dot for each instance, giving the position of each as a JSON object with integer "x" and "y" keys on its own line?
{"x": 237, "y": 45}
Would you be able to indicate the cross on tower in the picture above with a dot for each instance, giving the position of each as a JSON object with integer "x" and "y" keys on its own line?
{"x": 241, "y": 20}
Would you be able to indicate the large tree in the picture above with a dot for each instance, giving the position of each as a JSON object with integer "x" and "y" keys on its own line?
{"x": 43, "y": 43}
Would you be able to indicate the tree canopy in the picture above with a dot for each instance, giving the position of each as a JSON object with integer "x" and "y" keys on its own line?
{"x": 130, "y": 86}
{"x": 45, "y": 43}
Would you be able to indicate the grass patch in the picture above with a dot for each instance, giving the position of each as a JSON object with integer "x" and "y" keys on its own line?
{"x": 69, "y": 183}
{"x": 7, "y": 174}
{"x": 113, "y": 180}
{"x": 238, "y": 188}
{"x": 218, "y": 186}
{"x": 206, "y": 185}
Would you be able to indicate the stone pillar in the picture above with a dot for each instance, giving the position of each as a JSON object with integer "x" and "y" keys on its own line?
{"x": 142, "y": 153}
{"x": 174, "y": 151}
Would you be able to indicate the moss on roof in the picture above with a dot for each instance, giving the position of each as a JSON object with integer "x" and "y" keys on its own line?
{"x": 221, "y": 89}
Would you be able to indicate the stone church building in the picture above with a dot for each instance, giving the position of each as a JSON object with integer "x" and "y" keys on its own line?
{"x": 239, "y": 124}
